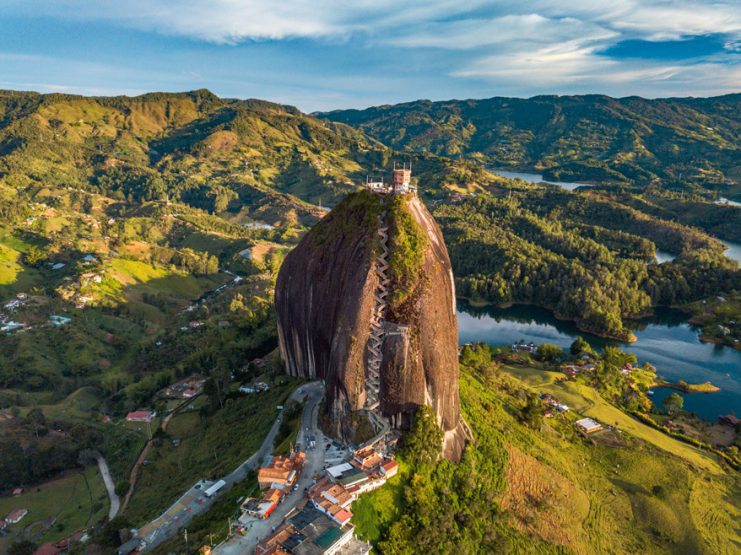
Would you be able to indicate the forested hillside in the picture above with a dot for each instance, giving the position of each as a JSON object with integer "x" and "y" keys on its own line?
{"x": 584, "y": 255}
{"x": 677, "y": 142}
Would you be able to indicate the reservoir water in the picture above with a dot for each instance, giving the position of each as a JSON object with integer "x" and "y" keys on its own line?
{"x": 537, "y": 178}
{"x": 666, "y": 340}
{"x": 733, "y": 251}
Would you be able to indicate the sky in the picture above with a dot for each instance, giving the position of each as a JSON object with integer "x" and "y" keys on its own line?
{"x": 331, "y": 54}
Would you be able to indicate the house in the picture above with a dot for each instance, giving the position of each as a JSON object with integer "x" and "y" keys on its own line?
{"x": 59, "y": 321}
{"x": 570, "y": 371}
{"x": 366, "y": 458}
{"x": 58, "y": 266}
{"x": 16, "y": 516}
{"x": 332, "y": 499}
{"x": 281, "y": 471}
{"x": 729, "y": 420}
{"x": 337, "y": 470}
{"x": 263, "y": 507}
{"x": 309, "y": 532}
{"x": 17, "y": 492}
{"x": 12, "y": 305}
{"x": 141, "y": 416}
{"x": 11, "y": 326}
{"x": 524, "y": 347}
{"x": 390, "y": 468}
{"x": 588, "y": 426}
{"x": 89, "y": 259}
{"x": 352, "y": 477}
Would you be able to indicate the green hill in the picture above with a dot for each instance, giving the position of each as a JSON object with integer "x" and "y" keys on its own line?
{"x": 192, "y": 146}
{"x": 677, "y": 142}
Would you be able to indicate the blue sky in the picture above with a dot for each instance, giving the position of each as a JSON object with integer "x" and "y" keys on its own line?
{"x": 326, "y": 54}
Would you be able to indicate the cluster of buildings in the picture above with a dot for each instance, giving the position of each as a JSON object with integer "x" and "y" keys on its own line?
{"x": 184, "y": 389}
{"x": 553, "y": 404}
{"x": 276, "y": 479}
{"x": 322, "y": 526}
{"x": 7, "y": 325}
{"x": 310, "y": 532}
{"x": 401, "y": 182}
{"x": 343, "y": 483}
{"x": 573, "y": 370}
{"x": 522, "y": 347}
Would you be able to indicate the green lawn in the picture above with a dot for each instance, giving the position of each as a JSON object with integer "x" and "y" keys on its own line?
{"x": 67, "y": 498}
{"x": 587, "y": 401}
{"x": 14, "y": 275}
{"x": 210, "y": 447}
{"x": 375, "y": 511}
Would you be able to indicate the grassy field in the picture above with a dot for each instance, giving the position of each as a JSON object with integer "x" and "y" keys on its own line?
{"x": 210, "y": 447}
{"x": 375, "y": 511}
{"x": 14, "y": 275}
{"x": 587, "y": 401}
{"x": 73, "y": 501}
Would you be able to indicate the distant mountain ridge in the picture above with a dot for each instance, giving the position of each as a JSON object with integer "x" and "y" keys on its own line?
{"x": 192, "y": 147}
{"x": 675, "y": 142}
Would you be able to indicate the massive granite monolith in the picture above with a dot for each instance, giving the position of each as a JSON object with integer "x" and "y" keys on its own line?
{"x": 325, "y": 298}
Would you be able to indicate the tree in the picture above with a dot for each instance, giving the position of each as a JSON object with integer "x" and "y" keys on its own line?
{"x": 36, "y": 418}
{"x": 532, "y": 412}
{"x": 580, "y": 346}
{"x": 23, "y": 547}
{"x": 674, "y": 404}
{"x": 122, "y": 487}
{"x": 547, "y": 352}
{"x": 423, "y": 444}
{"x": 34, "y": 256}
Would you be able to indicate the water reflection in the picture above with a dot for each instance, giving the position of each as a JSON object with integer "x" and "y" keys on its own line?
{"x": 666, "y": 340}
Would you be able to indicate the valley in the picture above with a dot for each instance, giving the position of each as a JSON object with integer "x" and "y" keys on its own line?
{"x": 140, "y": 243}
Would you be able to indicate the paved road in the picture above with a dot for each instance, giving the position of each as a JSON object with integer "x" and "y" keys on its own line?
{"x": 194, "y": 503}
{"x": 109, "y": 486}
{"x": 314, "y": 464}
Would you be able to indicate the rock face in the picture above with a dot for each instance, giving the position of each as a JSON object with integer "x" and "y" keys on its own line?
{"x": 325, "y": 303}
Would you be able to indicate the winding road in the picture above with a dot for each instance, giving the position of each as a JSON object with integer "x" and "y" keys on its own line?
{"x": 109, "y": 486}
{"x": 193, "y": 502}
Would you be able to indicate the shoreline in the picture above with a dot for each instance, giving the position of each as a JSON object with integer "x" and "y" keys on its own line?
{"x": 629, "y": 339}
{"x": 688, "y": 388}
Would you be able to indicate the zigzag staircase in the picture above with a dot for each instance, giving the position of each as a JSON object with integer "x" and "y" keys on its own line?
{"x": 375, "y": 357}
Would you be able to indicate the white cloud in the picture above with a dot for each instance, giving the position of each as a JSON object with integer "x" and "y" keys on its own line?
{"x": 509, "y": 45}
{"x": 532, "y": 29}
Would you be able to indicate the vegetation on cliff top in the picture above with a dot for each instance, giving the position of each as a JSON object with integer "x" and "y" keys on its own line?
{"x": 407, "y": 244}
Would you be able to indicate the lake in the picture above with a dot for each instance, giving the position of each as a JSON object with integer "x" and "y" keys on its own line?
{"x": 537, "y": 178}
{"x": 733, "y": 251}
{"x": 666, "y": 340}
